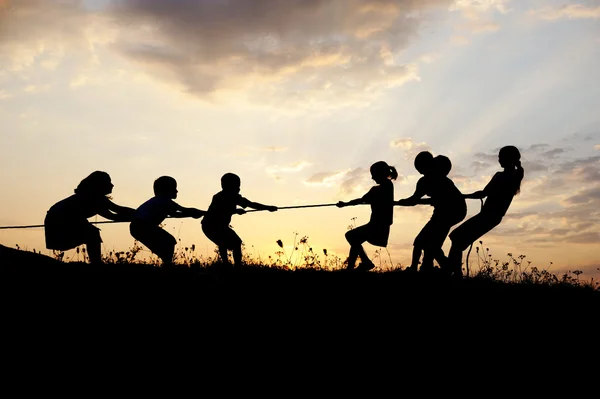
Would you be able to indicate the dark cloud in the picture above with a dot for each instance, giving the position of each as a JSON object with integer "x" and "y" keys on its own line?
{"x": 591, "y": 195}
{"x": 552, "y": 154}
{"x": 584, "y": 169}
{"x": 591, "y": 237}
{"x": 533, "y": 167}
{"x": 295, "y": 50}
{"x": 335, "y": 46}
{"x": 537, "y": 147}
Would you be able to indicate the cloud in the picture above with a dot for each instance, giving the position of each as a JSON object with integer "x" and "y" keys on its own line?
{"x": 41, "y": 33}
{"x": 591, "y": 237}
{"x": 312, "y": 52}
{"x": 538, "y": 147}
{"x": 532, "y": 167}
{"x": 552, "y": 154}
{"x": 410, "y": 147}
{"x": 585, "y": 196}
{"x": 326, "y": 179}
{"x": 478, "y": 16}
{"x": 584, "y": 169}
{"x": 478, "y": 166}
{"x": 569, "y": 11}
{"x": 276, "y": 170}
{"x": 488, "y": 158}
{"x": 354, "y": 183}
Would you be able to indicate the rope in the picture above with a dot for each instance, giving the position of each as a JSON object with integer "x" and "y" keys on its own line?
{"x": 41, "y": 225}
{"x": 294, "y": 207}
{"x": 113, "y": 221}
{"x": 471, "y": 247}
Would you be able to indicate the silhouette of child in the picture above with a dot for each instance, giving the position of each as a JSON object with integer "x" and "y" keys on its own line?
{"x": 377, "y": 231}
{"x": 499, "y": 192}
{"x": 145, "y": 226}
{"x": 215, "y": 224}
{"x": 449, "y": 208}
{"x": 66, "y": 225}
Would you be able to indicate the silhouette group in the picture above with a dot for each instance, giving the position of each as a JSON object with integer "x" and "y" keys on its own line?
{"x": 67, "y": 226}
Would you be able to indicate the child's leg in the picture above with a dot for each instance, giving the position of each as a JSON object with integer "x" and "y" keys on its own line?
{"x": 166, "y": 254}
{"x": 464, "y": 236}
{"x": 94, "y": 251}
{"x": 455, "y": 261}
{"x": 223, "y": 254}
{"x": 416, "y": 257}
{"x": 421, "y": 245}
{"x": 93, "y": 244}
{"x": 427, "y": 264}
{"x": 237, "y": 255}
{"x": 355, "y": 238}
{"x": 159, "y": 241}
{"x": 353, "y": 255}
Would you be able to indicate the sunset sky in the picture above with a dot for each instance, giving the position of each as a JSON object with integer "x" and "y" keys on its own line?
{"x": 299, "y": 98}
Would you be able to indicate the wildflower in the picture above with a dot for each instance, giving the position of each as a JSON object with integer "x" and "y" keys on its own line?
{"x": 280, "y": 243}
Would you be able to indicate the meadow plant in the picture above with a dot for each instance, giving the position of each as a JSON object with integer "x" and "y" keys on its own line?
{"x": 513, "y": 270}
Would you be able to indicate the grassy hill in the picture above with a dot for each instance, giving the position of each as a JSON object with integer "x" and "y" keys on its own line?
{"x": 304, "y": 287}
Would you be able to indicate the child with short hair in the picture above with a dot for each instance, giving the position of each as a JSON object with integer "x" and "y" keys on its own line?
{"x": 377, "y": 230}
{"x": 224, "y": 204}
{"x": 66, "y": 225}
{"x": 147, "y": 219}
{"x": 449, "y": 208}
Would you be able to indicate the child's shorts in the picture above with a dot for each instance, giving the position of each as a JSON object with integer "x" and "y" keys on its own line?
{"x": 152, "y": 236}
{"x": 434, "y": 233}
{"x": 473, "y": 229}
{"x": 373, "y": 234}
{"x": 64, "y": 235}
{"x": 222, "y": 236}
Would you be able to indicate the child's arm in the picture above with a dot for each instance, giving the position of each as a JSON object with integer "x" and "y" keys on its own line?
{"x": 424, "y": 201}
{"x": 257, "y": 206}
{"x": 486, "y": 191}
{"x": 182, "y": 212}
{"x": 356, "y": 201}
{"x": 117, "y": 213}
{"x": 416, "y": 198}
{"x": 476, "y": 195}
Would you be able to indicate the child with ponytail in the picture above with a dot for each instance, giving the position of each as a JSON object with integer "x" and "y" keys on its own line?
{"x": 499, "y": 192}
{"x": 377, "y": 231}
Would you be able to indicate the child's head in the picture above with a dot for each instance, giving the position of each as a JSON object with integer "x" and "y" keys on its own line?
{"x": 423, "y": 162}
{"x": 231, "y": 182}
{"x": 509, "y": 158}
{"x": 441, "y": 165}
{"x": 97, "y": 183}
{"x": 381, "y": 171}
{"x": 165, "y": 186}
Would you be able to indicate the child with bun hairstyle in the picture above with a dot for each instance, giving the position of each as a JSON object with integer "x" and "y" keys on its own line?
{"x": 449, "y": 208}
